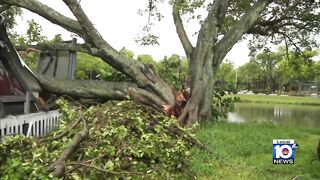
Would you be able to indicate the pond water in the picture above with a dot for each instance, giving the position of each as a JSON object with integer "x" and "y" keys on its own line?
{"x": 287, "y": 115}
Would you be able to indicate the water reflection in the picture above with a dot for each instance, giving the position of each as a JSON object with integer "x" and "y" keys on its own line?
{"x": 289, "y": 115}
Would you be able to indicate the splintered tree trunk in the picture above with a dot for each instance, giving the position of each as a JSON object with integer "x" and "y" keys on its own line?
{"x": 199, "y": 106}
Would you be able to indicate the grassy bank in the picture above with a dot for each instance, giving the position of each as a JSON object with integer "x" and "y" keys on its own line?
{"x": 244, "y": 151}
{"x": 280, "y": 99}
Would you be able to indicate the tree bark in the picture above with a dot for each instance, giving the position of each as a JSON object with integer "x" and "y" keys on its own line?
{"x": 101, "y": 90}
{"x": 87, "y": 88}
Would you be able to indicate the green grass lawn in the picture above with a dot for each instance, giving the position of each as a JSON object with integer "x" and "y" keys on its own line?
{"x": 244, "y": 151}
{"x": 279, "y": 99}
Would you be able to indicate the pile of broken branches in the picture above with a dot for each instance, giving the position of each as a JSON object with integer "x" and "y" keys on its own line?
{"x": 126, "y": 140}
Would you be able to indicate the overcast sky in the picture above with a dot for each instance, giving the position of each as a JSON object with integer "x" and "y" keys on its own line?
{"x": 119, "y": 23}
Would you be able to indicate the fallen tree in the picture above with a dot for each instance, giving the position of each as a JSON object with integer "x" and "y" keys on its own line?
{"x": 225, "y": 24}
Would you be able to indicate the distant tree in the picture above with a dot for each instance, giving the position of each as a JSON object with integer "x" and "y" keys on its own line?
{"x": 127, "y": 53}
{"x": 297, "y": 68}
{"x": 250, "y": 76}
{"x": 90, "y": 67}
{"x": 268, "y": 65}
{"x": 147, "y": 59}
{"x": 56, "y": 39}
{"x": 174, "y": 70}
{"x": 226, "y": 76}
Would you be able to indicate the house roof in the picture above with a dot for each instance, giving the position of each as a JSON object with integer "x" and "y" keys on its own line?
{"x": 20, "y": 70}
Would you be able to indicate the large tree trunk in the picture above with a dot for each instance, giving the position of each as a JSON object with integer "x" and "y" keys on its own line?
{"x": 205, "y": 58}
{"x": 199, "y": 106}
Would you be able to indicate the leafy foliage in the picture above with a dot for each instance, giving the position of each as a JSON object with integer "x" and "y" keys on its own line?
{"x": 125, "y": 140}
{"x": 222, "y": 104}
{"x": 279, "y": 70}
{"x": 226, "y": 76}
{"x": 34, "y": 33}
{"x": 10, "y": 16}
{"x": 89, "y": 67}
{"x": 174, "y": 71}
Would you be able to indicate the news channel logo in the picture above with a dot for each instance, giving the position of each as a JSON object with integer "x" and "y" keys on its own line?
{"x": 283, "y": 151}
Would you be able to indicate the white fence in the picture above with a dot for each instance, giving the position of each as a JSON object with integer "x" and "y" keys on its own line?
{"x": 35, "y": 124}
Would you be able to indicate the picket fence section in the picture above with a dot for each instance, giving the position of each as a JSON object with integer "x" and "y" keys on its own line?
{"x": 35, "y": 124}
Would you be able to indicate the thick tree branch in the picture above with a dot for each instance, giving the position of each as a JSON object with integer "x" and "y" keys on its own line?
{"x": 210, "y": 28}
{"x": 59, "y": 166}
{"x": 145, "y": 97}
{"x": 258, "y": 31}
{"x": 86, "y": 24}
{"x": 221, "y": 13}
{"x": 291, "y": 41}
{"x": 87, "y": 88}
{"x": 242, "y": 26}
{"x": 100, "y": 90}
{"x": 85, "y": 48}
{"x": 48, "y": 13}
{"x": 188, "y": 48}
{"x": 293, "y": 16}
